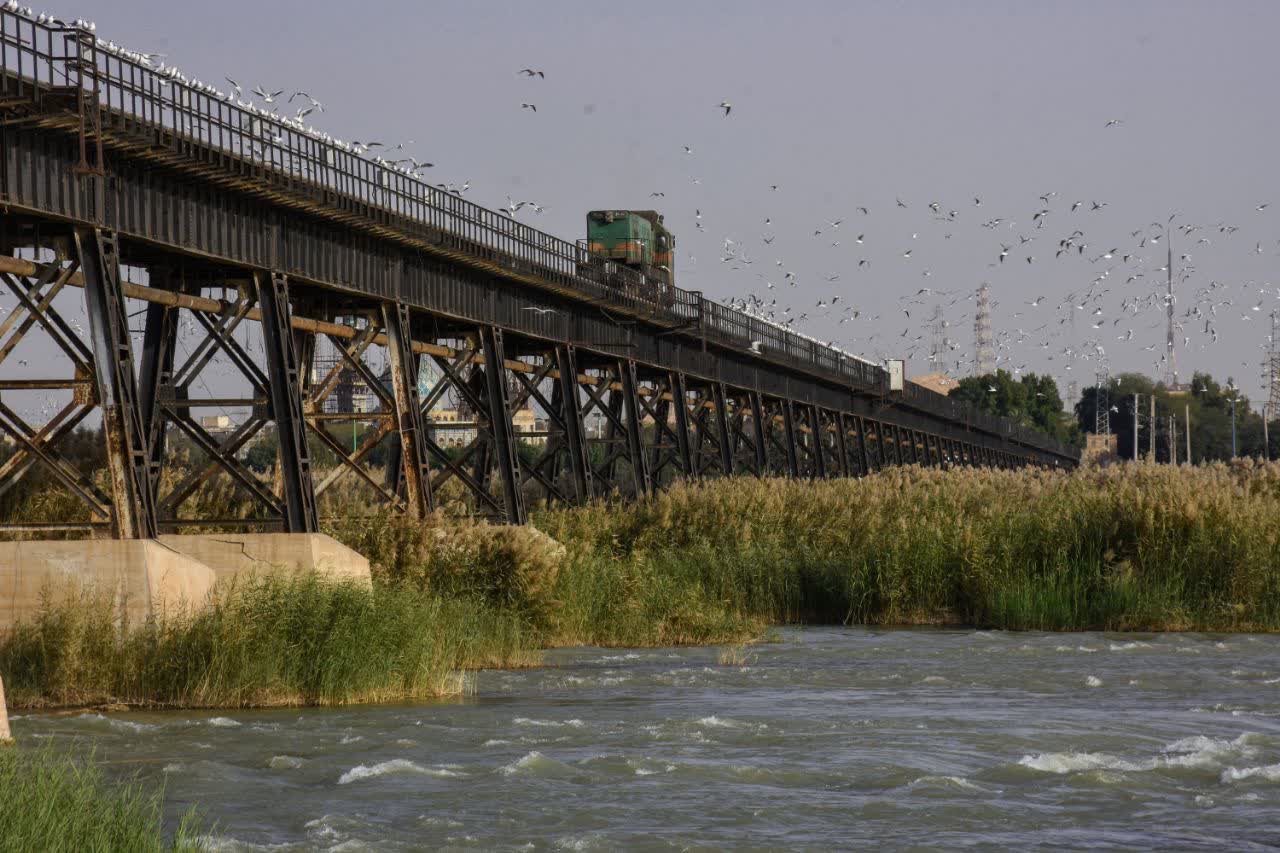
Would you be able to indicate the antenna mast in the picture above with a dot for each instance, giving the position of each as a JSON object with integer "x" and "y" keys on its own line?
{"x": 1272, "y": 367}
{"x": 1171, "y": 356}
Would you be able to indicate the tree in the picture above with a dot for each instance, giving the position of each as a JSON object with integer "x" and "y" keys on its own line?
{"x": 1032, "y": 401}
{"x": 1208, "y": 403}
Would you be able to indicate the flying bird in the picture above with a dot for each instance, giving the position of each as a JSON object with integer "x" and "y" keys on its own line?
{"x": 726, "y": 106}
{"x": 269, "y": 97}
{"x": 530, "y": 72}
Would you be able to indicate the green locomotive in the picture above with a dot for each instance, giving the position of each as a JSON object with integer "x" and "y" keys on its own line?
{"x": 634, "y": 238}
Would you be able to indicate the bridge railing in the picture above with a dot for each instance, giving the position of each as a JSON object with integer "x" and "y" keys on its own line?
{"x": 135, "y": 100}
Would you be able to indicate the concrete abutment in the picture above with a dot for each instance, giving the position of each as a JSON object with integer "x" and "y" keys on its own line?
{"x": 158, "y": 577}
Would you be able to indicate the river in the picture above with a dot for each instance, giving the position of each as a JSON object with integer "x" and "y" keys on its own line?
{"x": 824, "y": 738}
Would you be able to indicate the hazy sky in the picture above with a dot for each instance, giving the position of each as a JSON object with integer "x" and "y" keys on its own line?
{"x": 841, "y": 105}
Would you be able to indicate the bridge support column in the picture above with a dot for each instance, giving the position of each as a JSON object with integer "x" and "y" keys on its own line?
{"x": 502, "y": 431}
{"x": 634, "y": 437}
{"x": 299, "y": 502}
{"x": 409, "y": 422}
{"x": 159, "y": 344}
{"x": 680, "y": 397}
{"x": 842, "y": 443}
{"x": 881, "y": 451}
{"x": 133, "y": 514}
{"x": 864, "y": 457}
{"x": 759, "y": 432}
{"x": 819, "y": 469}
{"x": 789, "y": 433}
{"x": 722, "y": 428}
{"x": 575, "y": 430}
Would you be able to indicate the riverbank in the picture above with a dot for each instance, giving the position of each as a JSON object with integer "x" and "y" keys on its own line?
{"x": 1147, "y": 548}
{"x": 54, "y": 801}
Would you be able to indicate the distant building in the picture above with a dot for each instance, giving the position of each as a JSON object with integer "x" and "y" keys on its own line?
{"x": 454, "y": 428}
{"x": 1101, "y": 449}
{"x": 217, "y": 424}
{"x": 939, "y": 382}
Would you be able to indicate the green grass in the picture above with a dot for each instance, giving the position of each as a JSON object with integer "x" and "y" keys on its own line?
{"x": 50, "y": 801}
{"x": 264, "y": 642}
{"x": 1126, "y": 548}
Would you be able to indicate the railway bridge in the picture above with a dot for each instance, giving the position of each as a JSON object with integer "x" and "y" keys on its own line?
{"x": 228, "y": 237}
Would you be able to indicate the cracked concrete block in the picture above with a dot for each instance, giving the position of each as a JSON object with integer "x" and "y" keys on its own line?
{"x": 231, "y": 554}
{"x": 145, "y": 577}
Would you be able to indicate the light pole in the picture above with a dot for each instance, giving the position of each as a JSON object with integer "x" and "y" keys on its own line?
{"x": 1233, "y": 424}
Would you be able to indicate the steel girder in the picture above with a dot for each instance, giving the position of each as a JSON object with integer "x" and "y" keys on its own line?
{"x": 286, "y": 378}
{"x": 133, "y": 510}
{"x": 38, "y": 446}
{"x": 652, "y": 426}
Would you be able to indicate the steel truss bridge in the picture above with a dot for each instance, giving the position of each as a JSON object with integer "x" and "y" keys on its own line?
{"x": 122, "y": 189}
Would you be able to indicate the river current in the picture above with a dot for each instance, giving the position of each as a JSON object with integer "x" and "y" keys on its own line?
{"x": 826, "y": 738}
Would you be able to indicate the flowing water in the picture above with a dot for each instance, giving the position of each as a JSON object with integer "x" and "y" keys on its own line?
{"x": 827, "y": 738}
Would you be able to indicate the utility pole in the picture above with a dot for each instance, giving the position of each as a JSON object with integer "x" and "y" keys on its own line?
{"x": 1233, "y": 427}
{"x": 1171, "y": 355}
{"x": 1152, "y": 422}
{"x": 1136, "y": 416}
{"x": 1188, "y": 431}
{"x": 1266, "y": 437}
{"x": 1272, "y": 367}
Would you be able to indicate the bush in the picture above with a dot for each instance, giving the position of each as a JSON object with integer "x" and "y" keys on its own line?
{"x": 510, "y": 568}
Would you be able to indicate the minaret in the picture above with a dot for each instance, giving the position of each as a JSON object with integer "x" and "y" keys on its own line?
{"x": 984, "y": 357}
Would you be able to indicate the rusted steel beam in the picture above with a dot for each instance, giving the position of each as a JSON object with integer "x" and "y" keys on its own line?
{"x": 132, "y": 505}
{"x": 294, "y": 459}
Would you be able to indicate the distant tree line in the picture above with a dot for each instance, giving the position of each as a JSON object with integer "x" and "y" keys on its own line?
{"x": 1209, "y": 402}
{"x": 1031, "y": 401}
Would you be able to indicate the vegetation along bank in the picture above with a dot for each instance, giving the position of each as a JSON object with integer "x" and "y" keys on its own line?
{"x": 1140, "y": 547}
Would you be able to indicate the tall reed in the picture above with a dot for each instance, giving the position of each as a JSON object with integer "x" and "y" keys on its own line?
{"x": 52, "y": 801}
{"x": 265, "y": 641}
{"x": 1134, "y": 547}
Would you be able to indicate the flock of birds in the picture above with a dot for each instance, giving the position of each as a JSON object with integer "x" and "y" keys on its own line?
{"x": 1121, "y": 295}
{"x": 1123, "y": 291}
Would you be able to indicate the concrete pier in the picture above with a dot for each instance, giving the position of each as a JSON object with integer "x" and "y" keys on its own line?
{"x": 6, "y": 737}
{"x": 159, "y": 577}
{"x": 143, "y": 577}
{"x": 231, "y": 554}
